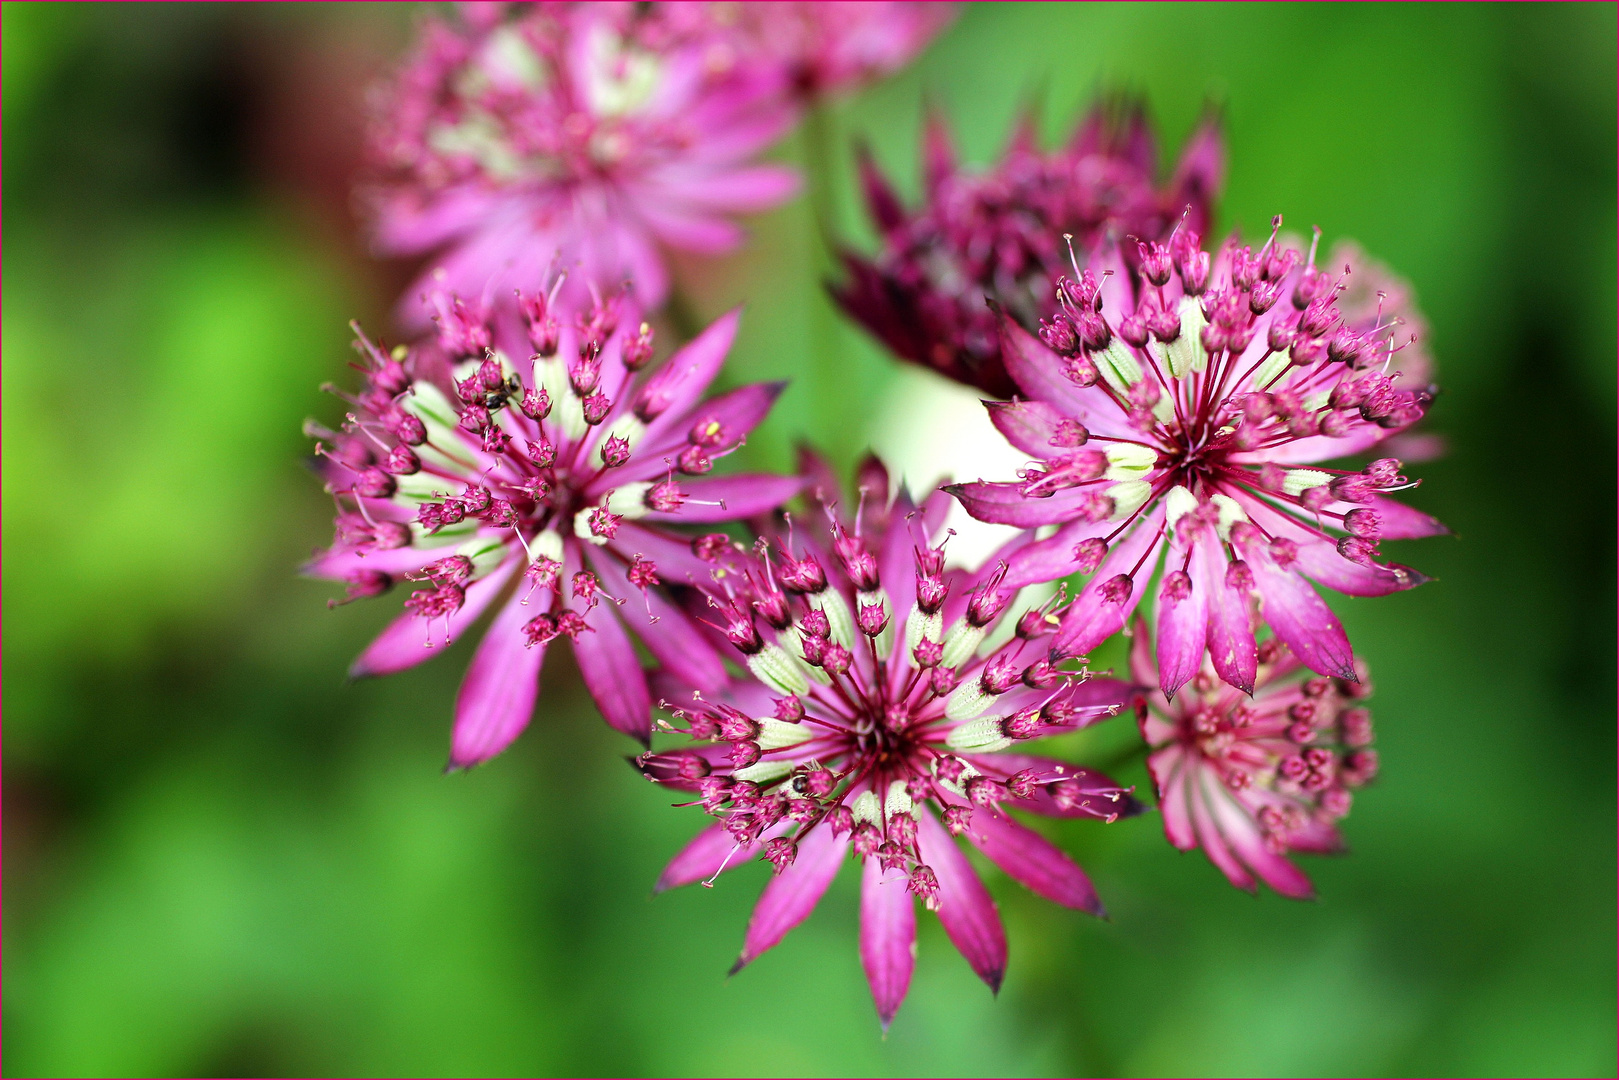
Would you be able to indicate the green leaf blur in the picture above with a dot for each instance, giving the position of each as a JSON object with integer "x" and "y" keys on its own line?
{"x": 223, "y": 860}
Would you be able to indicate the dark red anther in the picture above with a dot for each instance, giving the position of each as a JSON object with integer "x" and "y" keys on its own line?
{"x": 1034, "y": 623}
{"x": 402, "y": 461}
{"x": 1094, "y": 333}
{"x": 983, "y": 791}
{"x": 840, "y": 820}
{"x": 988, "y": 599}
{"x": 1354, "y": 488}
{"x": 1364, "y": 523}
{"x": 586, "y": 373}
{"x": 362, "y": 585}
{"x": 957, "y": 819}
{"x": 535, "y": 404}
{"x": 711, "y": 547}
{"x": 542, "y": 453}
{"x": 1156, "y": 264}
{"x": 815, "y": 623}
{"x": 1279, "y": 334}
{"x": 389, "y": 535}
{"x": 1023, "y": 784}
{"x": 595, "y": 408}
{"x": 709, "y": 433}
{"x": 744, "y": 753}
{"x": 692, "y": 461}
{"x": 1060, "y": 335}
{"x": 440, "y": 601}
{"x": 642, "y": 572}
{"x": 474, "y": 418}
{"x": 902, "y": 830}
{"x": 836, "y": 659}
{"x": 604, "y": 523}
{"x": 1384, "y": 472}
{"x": 1239, "y": 577}
{"x": 1316, "y": 499}
{"x": 615, "y": 451}
{"x": 495, "y": 441}
{"x": 501, "y": 514}
{"x": 872, "y": 618}
{"x": 406, "y": 427}
{"x": 539, "y": 630}
{"x": 781, "y": 852}
{"x": 638, "y": 349}
{"x": 866, "y": 839}
{"x": 664, "y": 497}
{"x": 1318, "y": 317}
{"x": 1306, "y": 350}
{"x": 1358, "y": 550}
{"x": 802, "y": 575}
{"x": 1264, "y": 296}
{"x": 928, "y": 653}
{"x": 1134, "y": 330}
{"x": 1081, "y": 371}
{"x": 1023, "y": 724}
{"x": 373, "y": 483}
{"x": 931, "y": 591}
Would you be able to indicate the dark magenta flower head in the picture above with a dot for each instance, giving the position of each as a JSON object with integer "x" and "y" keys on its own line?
{"x": 1252, "y": 780}
{"x": 998, "y": 237}
{"x": 585, "y": 136}
{"x": 882, "y": 725}
{"x": 566, "y": 518}
{"x": 1202, "y": 450}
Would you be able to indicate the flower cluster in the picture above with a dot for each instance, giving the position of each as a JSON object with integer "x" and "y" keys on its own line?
{"x": 879, "y": 716}
{"x": 837, "y": 683}
{"x": 551, "y": 486}
{"x": 1251, "y": 779}
{"x": 585, "y": 135}
{"x": 1177, "y": 412}
{"x": 999, "y": 236}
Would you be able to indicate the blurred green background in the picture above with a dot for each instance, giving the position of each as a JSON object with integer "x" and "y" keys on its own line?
{"x": 221, "y": 859}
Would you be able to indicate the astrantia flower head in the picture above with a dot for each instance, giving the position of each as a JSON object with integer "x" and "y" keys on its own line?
{"x": 585, "y": 134}
{"x": 545, "y": 487}
{"x": 879, "y": 717}
{"x": 1251, "y": 780}
{"x": 1176, "y": 412}
{"x": 998, "y": 236}
{"x": 834, "y": 46}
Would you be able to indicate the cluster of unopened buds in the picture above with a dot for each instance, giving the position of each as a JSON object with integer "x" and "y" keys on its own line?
{"x": 1220, "y": 429}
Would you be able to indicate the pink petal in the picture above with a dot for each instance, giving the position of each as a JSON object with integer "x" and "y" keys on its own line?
{"x": 1401, "y": 522}
{"x": 671, "y": 553}
{"x": 338, "y": 565}
{"x": 1032, "y": 860}
{"x": 497, "y": 696}
{"x": 1183, "y": 633}
{"x": 1027, "y": 425}
{"x": 741, "y": 411}
{"x": 1242, "y": 833}
{"x": 1005, "y": 504}
{"x": 965, "y": 907}
{"x": 730, "y": 498}
{"x": 683, "y": 377}
{"x": 612, "y": 674}
{"x": 1053, "y": 557}
{"x": 1208, "y": 788}
{"x": 887, "y": 936}
{"x": 1094, "y": 617}
{"x": 793, "y": 893}
{"x": 1231, "y": 633}
{"x": 744, "y": 190}
{"x": 1298, "y": 615}
{"x": 667, "y": 632}
{"x": 405, "y": 642}
{"x": 1038, "y": 371}
{"x": 708, "y": 852}
{"x": 1169, "y": 768}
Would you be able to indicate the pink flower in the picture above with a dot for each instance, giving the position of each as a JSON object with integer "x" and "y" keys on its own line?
{"x": 1250, "y": 781}
{"x": 547, "y": 489}
{"x": 1176, "y": 410}
{"x": 829, "y": 47}
{"x": 999, "y": 236}
{"x": 873, "y": 718}
{"x": 580, "y": 135}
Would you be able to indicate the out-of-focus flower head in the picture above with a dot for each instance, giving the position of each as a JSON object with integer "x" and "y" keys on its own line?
{"x": 550, "y": 489}
{"x": 880, "y": 715}
{"x": 1177, "y": 407}
{"x": 999, "y": 236}
{"x": 1251, "y": 780}
{"x": 829, "y": 47}
{"x": 580, "y": 135}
